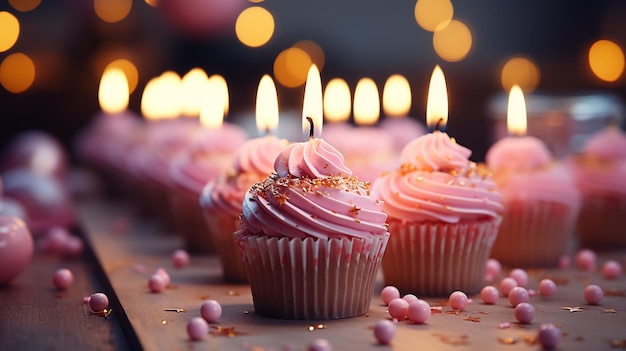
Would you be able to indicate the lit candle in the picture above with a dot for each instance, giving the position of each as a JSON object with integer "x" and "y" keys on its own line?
{"x": 396, "y": 106}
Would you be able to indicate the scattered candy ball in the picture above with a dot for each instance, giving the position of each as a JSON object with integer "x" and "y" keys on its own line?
{"x": 520, "y": 276}
{"x": 489, "y": 294}
{"x": 389, "y": 293}
{"x": 419, "y": 311}
{"x": 157, "y": 283}
{"x": 73, "y": 246}
{"x": 98, "y": 302}
{"x": 593, "y": 294}
{"x": 320, "y": 345}
{"x": 524, "y": 312}
{"x": 547, "y": 287}
{"x": 611, "y": 270}
{"x": 197, "y": 328}
{"x": 410, "y": 298}
{"x": 506, "y": 285}
{"x": 398, "y": 308}
{"x": 493, "y": 269}
{"x": 54, "y": 240}
{"x": 16, "y": 248}
{"x": 549, "y": 336}
{"x": 211, "y": 310}
{"x": 457, "y": 300}
{"x": 586, "y": 260}
{"x": 384, "y": 331}
{"x": 180, "y": 258}
{"x": 62, "y": 279}
{"x": 518, "y": 295}
{"x": 165, "y": 275}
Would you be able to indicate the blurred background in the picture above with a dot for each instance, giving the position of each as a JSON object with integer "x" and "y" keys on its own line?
{"x": 53, "y": 54}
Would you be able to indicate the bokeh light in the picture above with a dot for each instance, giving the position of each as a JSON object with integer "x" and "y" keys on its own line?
{"x": 220, "y": 87}
{"x": 17, "y": 72}
{"x": 520, "y": 71}
{"x": 161, "y": 98}
{"x": 153, "y": 3}
{"x": 254, "y": 26}
{"x": 24, "y": 5}
{"x": 113, "y": 91}
{"x": 397, "y": 96}
{"x": 453, "y": 42}
{"x": 366, "y": 102}
{"x": 337, "y": 101}
{"x": 433, "y": 15}
{"x": 193, "y": 91}
{"x": 9, "y": 30}
{"x": 291, "y": 67}
{"x": 314, "y": 51}
{"x": 606, "y": 60}
{"x": 130, "y": 70}
{"x": 112, "y": 10}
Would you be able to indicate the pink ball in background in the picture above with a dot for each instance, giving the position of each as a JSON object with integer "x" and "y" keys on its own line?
{"x": 489, "y": 294}
{"x": 593, "y": 294}
{"x": 37, "y": 151}
{"x": 547, "y": 287}
{"x": 62, "y": 279}
{"x": 16, "y": 248}
{"x": 524, "y": 312}
{"x": 611, "y": 269}
{"x": 586, "y": 260}
{"x": 389, "y": 293}
{"x": 211, "y": 310}
{"x": 419, "y": 311}
{"x": 458, "y": 300}
{"x": 398, "y": 308}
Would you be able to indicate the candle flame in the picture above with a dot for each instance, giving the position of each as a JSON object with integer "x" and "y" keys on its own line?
{"x": 266, "y": 105}
{"x": 396, "y": 96}
{"x": 337, "y": 101}
{"x": 516, "y": 112}
{"x": 212, "y": 111}
{"x": 312, "y": 105}
{"x": 192, "y": 86}
{"x": 366, "y": 102}
{"x": 222, "y": 88}
{"x": 113, "y": 91}
{"x": 437, "y": 102}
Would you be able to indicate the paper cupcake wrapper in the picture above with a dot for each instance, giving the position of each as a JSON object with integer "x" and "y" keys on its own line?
{"x": 190, "y": 223}
{"x": 534, "y": 234}
{"x": 435, "y": 259}
{"x": 602, "y": 222}
{"x": 293, "y": 278}
{"x": 222, "y": 227}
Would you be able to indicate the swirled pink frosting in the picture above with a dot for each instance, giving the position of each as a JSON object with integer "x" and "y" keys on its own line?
{"x": 518, "y": 154}
{"x": 312, "y": 195}
{"x": 254, "y": 161}
{"x": 438, "y": 182}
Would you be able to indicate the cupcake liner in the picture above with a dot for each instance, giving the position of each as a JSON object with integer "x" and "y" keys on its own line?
{"x": 221, "y": 228}
{"x": 189, "y": 220}
{"x": 602, "y": 222}
{"x": 435, "y": 259}
{"x": 294, "y": 278}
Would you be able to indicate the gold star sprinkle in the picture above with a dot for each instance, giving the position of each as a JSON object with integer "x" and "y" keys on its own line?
{"x": 572, "y": 309}
{"x": 354, "y": 211}
{"x": 609, "y": 310}
{"x": 507, "y": 341}
{"x": 223, "y": 331}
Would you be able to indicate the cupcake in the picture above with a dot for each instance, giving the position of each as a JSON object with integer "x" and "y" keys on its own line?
{"x": 222, "y": 199}
{"x": 540, "y": 203}
{"x": 444, "y": 213}
{"x": 312, "y": 238}
{"x": 600, "y": 175}
{"x": 208, "y": 156}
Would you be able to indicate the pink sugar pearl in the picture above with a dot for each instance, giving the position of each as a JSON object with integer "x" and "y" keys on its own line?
{"x": 320, "y": 345}
{"x": 520, "y": 276}
{"x": 197, "y": 328}
{"x": 586, "y": 260}
{"x": 565, "y": 262}
{"x": 518, "y": 295}
{"x": 489, "y": 294}
{"x": 384, "y": 331}
{"x": 547, "y": 287}
{"x": 54, "y": 240}
{"x": 180, "y": 258}
{"x": 398, "y": 308}
{"x": 493, "y": 269}
{"x": 549, "y": 336}
{"x": 506, "y": 285}
{"x": 73, "y": 246}
{"x": 62, "y": 279}
{"x": 410, "y": 298}
{"x": 419, "y": 311}
{"x": 156, "y": 283}
{"x": 593, "y": 294}
{"x": 389, "y": 293}
{"x": 211, "y": 310}
{"x": 611, "y": 270}
{"x": 165, "y": 275}
{"x": 524, "y": 312}
{"x": 98, "y": 302}
{"x": 458, "y": 300}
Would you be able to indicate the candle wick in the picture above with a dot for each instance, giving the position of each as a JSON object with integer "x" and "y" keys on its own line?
{"x": 267, "y": 131}
{"x": 311, "y": 127}
{"x": 439, "y": 126}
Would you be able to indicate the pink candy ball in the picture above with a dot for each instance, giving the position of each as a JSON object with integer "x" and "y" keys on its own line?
{"x": 180, "y": 258}
{"x": 16, "y": 248}
{"x": 611, "y": 270}
{"x": 586, "y": 260}
{"x": 518, "y": 295}
{"x": 506, "y": 285}
{"x": 419, "y": 311}
{"x": 565, "y": 262}
{"x": 593, "y": 294}
{"x": 520, "y": 276}
{"x": 98, "y": 302}
{"x": 458, "y": 300}
{"x": 165, "y": 275}
{"x": 156, "y": 283}
{"x": 493, "y": 269}
{"x": 398, "y": 308}
{"x": 524, "y": 312}
{"x": 547, "y": 287}
{"x": 197, "y": 328}
{"x": 389, "y": 293}
{"x": 410, "y": 298}
{"x": 62, "y": 279}
{"x": 211, "y": 310}
{"x": 320, "y": 345}
{"x": 384, "y": 331}
{"x": 549, "y": 336}
{"x": 489, "y": 294}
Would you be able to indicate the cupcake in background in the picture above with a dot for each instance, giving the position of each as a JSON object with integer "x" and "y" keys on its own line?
{"x": 600, "y": 175}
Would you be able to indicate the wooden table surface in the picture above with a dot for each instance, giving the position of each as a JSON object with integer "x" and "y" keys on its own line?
{"x": 34, "y": 316}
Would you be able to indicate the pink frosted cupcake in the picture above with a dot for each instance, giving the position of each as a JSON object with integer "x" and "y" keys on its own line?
{"x": 312, "y": 238}
{"x": 600, "y": 173}
{"x": 444, "y": 213}
{"x": 207, "y": 157}
{"x": 540, "y": 201}
{"x": 222, "y": 199}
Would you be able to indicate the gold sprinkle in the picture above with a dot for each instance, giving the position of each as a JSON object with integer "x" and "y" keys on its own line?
{"x": 530, "y": 339}
{"x": 615, "y": 343}
{"x": 223, "y": 331}
{"x": 311, "y": 328}
{"x": 163, "y": 322}
{"x": 572, "y": 309}
{"x": 609, "y": 310}
{"x": 354, "y": 211}
{"x": 472, "y": 319}
{"x": 508, "y": 340}
{"x": 177, "y": 310}
{"x": 462, "y": 183}
{"x": 420, "y": 178}
{"x": 232, "y": 293}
